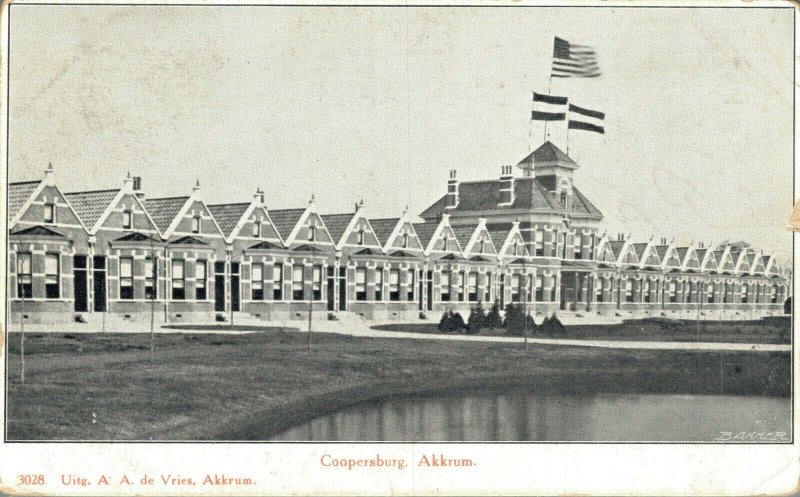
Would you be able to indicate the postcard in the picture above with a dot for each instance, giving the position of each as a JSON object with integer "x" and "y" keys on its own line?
{"x": 484, "y": 248}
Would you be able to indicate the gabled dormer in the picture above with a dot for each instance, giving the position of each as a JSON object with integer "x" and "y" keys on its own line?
{"x": 397, "y": 235}
{"x": 554, "y": 170}
{"x": 301, "y": 228}
{"x": 476, "y": 241}
{"x": 246, "y": 221}
{"x": 41, "y": 203}
{"x": 690, "y": 262}
{"x": 724, "y": 260}
{"x": 743, "y": 260}
{"x": 626, "y": 251}
{"x": 773, "y": 268}
{"x": 181, "y": 217}
{"x": 113, "y": 210}
{"x": 352, "y": 230}
{"x": 438, "y": 238}
{"x": 759, "y": 265}
{"x": 513, "y": 247}
{"x": 708, "y": 261}
{"x": 670, "y": 259}
{"x": 604, "y": 253}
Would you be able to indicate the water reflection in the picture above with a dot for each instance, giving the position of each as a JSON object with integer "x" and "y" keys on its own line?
{"x": 523, "y": 416}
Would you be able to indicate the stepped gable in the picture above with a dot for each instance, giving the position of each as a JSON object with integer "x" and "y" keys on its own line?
{"x": 227, "y": 216}
{"x": 89, "y": 206}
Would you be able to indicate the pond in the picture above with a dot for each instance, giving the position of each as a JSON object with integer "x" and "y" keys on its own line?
{"x": 526, "y": 416}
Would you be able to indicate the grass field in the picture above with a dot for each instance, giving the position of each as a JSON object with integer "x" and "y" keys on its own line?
{"x": 775, "y": 331}
{"x": 237, "y": 387}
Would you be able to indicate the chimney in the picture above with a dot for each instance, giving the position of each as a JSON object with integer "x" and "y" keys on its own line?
{"x": 258, "y": 196}
{"x": 137, "y": 183}
{"x": 452, "y": 190}
{"x": 127, "y": 183}
{"x": 663, "y": 241}
{"x": 360, "y": 206}
{"x": 49, "y": 174}
{"x": 506, "y": 185}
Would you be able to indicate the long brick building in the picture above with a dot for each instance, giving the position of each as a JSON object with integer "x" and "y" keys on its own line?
{"x": 530, "y": 236}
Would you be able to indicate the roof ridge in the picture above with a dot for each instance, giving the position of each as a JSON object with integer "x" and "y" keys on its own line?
{"x": 232, "y": 203}
{"x": 167, "y": 198}
{"x": 94, "y": 191}
{"x": 24, "y": 182}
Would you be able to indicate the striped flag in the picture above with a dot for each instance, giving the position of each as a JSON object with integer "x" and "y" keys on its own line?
{"x": 570, "y": 60}
{"x": 585, "y": 119}
{"x": 549, "y": 108}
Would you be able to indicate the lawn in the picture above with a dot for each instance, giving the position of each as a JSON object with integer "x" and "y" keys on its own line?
{"x": 238, "y": 387}
{"x": 773, "y": 330}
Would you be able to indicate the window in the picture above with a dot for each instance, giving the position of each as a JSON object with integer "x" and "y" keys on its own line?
{"x": 127, "y": 219}
{"x": 516, "y": 245}
{"x": 257, "y": 281}
{"x": 277, "y": 282}
{"x": 312, "y": 233}
{"x": 516, "y": 283}
{"x": 598, "y": 290}
{"x": 539, "y": 289}
{"x": 52, "y": 265}
{"x": 710, "y": 293}
{"x": 361, "y": 283}
{"x": 483, "y": 246}
{"x": 411, "y": 285}
{"x": 49, "y": 213}
{"x": 472, "y": 287}
{"x": 257, "y": 229}
{"x": 539, "y": 242}
{"x": 201, "y": 275}
{"x": 297, "y": 283}
{"x": 459, "y": 286}
{"x": 379, "y": 284}
{"x": 446, "y": 242}
{"x": 405, "y": 240}
{"x": 24, "y": 276}
{"x": 126, "y": 278}
{"x": 673, "y": 291}
{"x": 361, "y": 236}
{"x": 178, "y": 280}
{"x": 150, "y": 278}
{"x": 773, "y": 294}
{"x": 744, "y": 293}
{"x": 196, "y": 224}
{"x": 316, "y": 282}
{"x": 578, "y": 246}
{"x": 646, "y": 291}
{"x": 394, "y": 285}
{"x": 487, "y": 289}
{"x": 628, "y": 290}
{"x": 564, "y": 199}
{"x": 445, "y": 284}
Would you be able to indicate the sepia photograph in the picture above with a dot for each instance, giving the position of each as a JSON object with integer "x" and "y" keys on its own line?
{"x": 497, "y": 224}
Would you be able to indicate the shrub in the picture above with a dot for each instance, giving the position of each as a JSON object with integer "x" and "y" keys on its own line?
{"x": 476, "y": 320}
{"x": 493, "y": 319}
{"x": 444, "y": 323}
{"x": 451, "y": 322}
{"x": 552, "y": 326}
{"x": 458, "y": 323}
{"x": 515, "y": 321}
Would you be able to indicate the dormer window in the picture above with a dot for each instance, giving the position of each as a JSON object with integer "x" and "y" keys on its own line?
{"x": 127, "y": 219}
{"x": 257, "y": 229}
{"x": 483, "y": 245}
{"x": 49, "y": 213}
{"x": 361, "y": 236}
{"x": 196, "y": 224}
{"x": 516, "y": 244}
{"x": 312, "y": 233}
{"x": 405, "y": 240}
{"x": 446, "y": 242}
{"x": 564, "y": 199}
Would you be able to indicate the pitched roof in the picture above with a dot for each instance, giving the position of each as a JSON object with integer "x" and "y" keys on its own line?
{"x": 18, "y": 193}
{"x": 463, "y": 234}
{"x": 228, "y": 215}
{"x": 164, "y": 210}
{"x": 188, "y": 240}
{"x": 682, "y": 251}
{"x": 383, "y": 228}
{"x": 136, "y": 237}
{"x": 425, "y": 232}
{"x": 265, "y": 245}
{"x": 548, "y": 152}
{"x": 529, "y": 194}
{"x": 285, "y": 220}
{"x": 499, "y": 238}
{"x": 38, "y": 231}
{"x": 701, "y": 252}
{"x": 638, "y": 248}
{"x": 89, "y": 206}
{"x": 616, "y": 247}
{"x": 337, "y": 224}
{"x": 661, "y": 250}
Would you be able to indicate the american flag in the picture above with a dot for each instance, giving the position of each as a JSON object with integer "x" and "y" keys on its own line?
{"x": 570, "y": 60}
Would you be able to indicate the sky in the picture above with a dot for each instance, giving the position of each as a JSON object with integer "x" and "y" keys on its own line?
{"x": 379, "y": 104}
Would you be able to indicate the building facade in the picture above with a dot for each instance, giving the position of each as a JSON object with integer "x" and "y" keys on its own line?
{"x": 531, "y": 237}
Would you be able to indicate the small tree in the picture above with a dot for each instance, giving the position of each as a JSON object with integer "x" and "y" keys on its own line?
{"x": 493, "y": 319}
{"x": 515, "y": 320}
{"x": 476, "y": 320}
{"x": 458, "y": 323}
{"x": 445, "y": 322}
{"x": 552, "y": 326}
